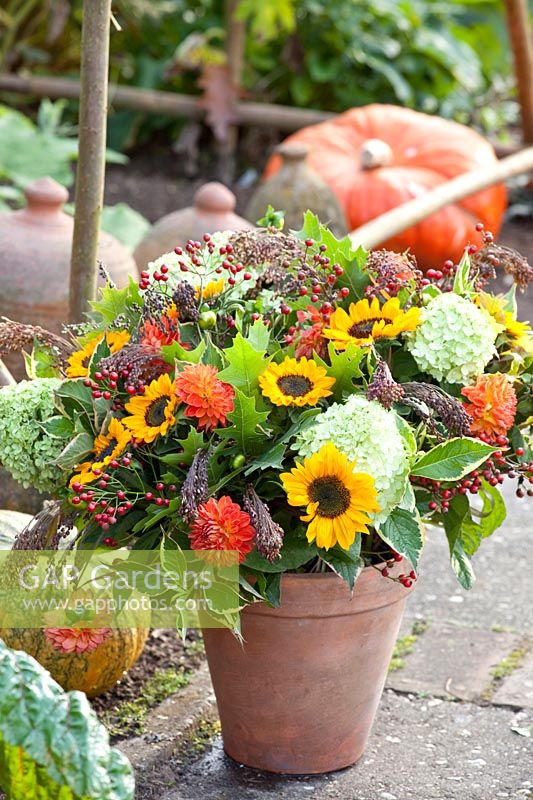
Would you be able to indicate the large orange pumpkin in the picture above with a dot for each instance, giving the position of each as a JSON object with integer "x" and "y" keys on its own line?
{"x": 92, "y": 672}
{"x": 377, "y": 157}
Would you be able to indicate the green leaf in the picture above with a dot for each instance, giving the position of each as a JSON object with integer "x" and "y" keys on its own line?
{"x": 175, "y": 352}
{"x": 57, "y": 427}
{"x": 462, "y": 567}
{"x": 41, "y": 362}
{"x": 245, "y": 365}
{"x": 461, "y": 283}
{"x": 259, "y": 336}
{"x": 344, "y": 368}
{"x": 76, "y": 451}
{"x": 245, "y": 418}
{"x": 295, "y": 551}
{"x": 270, "y": 459}
{"x": 340, "y": 251}
{"x": 113, "y": 302}
{"x": 52, "y": 746}
{"x": 404, "y": 532}
{"x": 347, "y": 564}
{"x": 452, "y": 460}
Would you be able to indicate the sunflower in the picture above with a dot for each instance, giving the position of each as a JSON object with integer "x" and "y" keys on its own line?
{"x": 337, "y": 499}
{"x": 211, "y": 289}
{"x": 295, "y": 383}
{"x": 78, "y": 363}
{"x": 107, "y": 447}
{"x": 153, "y": 413}
{"x": 366, "y": 322}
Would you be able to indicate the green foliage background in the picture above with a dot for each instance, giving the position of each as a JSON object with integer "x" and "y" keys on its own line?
{"x": 440, "y": 56}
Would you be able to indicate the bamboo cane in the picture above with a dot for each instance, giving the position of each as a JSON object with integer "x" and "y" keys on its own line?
{"x": 90, "y": 170}
{"x": 520, "y": 35}
{"x": 399, "y": 219}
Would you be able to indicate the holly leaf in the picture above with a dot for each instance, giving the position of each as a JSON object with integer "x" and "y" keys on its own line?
{"x": 452, "y": 460}
{"x": 403, "y": 531}
{"x": 245, "y": 365}
{"x": 245, "y": 418}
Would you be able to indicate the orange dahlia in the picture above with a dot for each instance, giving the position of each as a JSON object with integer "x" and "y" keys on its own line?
{"x": 206, "y": 396}
{"x": 222, "y": 525}
{"x": 164, "y": 331}
{"x": 492, "y": 405}
{"x": 76, "y": 640}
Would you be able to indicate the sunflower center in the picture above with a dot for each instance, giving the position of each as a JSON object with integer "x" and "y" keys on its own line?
{"x": 363, "y": 329}
{"x": 108, "y": 449}
{"x": 294, "y": 385}
{"x": 155, "y": 413}
{"x": 331, "y": 494}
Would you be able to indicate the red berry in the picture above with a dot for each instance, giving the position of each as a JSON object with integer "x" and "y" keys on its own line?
{"x": 160, "y": 487}
{"x": 432, "y": 505}
{"x": 149, "y": 496}
{"x": 309, "y": 242}
{"x": 520, "y": 451}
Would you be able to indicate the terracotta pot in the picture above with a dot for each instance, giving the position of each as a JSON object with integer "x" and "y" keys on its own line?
{"x": 296, "y": 188}
{"x": 300, "y": 695}
{"x": 35, "y": 245}
{"x": 213, "y": 210}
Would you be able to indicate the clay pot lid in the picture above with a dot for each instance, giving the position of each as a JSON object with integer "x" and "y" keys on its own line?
{"x": 215, "y": 197}
{"x": 45, "y": 194}
{"x": 292, "y": 151}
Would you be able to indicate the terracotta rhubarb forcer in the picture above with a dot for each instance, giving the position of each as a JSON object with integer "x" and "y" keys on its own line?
{"x": 296, "y": 188}
{"x": 300, "y": 695}
{"x": 213, "y": 210}
{"x": 35, "y": 245}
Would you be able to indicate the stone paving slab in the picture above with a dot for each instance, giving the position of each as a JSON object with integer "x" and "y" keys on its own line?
{"x": 170, "y": 723}
{"x": 517, "y": 689}
{"x": 419, "y": 750}
{"x": 450, "y": 661}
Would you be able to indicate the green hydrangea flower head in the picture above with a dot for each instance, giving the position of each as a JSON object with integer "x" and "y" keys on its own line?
{"x": 455, "y": 339}
{"x": 26, "y": 451}
{"x": 369, "y": 435}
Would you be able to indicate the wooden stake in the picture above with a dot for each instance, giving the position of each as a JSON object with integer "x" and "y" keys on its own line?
{"x": 90, "y": 170}
{"x": 521, "y": 39}
{"x": 399, "y": 219}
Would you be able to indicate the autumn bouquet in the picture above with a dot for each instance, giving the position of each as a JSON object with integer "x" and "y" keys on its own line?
{"x": 286, "y": 396}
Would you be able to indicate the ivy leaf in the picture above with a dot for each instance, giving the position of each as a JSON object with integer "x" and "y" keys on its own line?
{"x": 245, "y": 365}
{"x": 245, "y": 418}
{"x": 347, "y": 564}
{"x": 452, "y": 460}
{"x": 295, "y": 552}
{"x": 403, "y": 531}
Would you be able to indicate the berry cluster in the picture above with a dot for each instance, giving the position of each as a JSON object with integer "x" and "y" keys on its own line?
{"x": 406, "y": 580}
{"x": 107, "y": 499}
